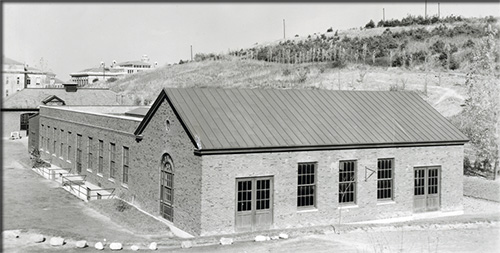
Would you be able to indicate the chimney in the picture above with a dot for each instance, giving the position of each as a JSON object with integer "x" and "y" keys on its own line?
{"x": 70, "y": 87}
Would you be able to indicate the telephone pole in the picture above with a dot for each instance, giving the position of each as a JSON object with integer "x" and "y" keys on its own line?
{"x": 439, "y": 11}
{"x": 284, "y": 29}
{"x": 191, "y": 52}
{"x": 425, "y": 9}
{"x": 383, "y": 14}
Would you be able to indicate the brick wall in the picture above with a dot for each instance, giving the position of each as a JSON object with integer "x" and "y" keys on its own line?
{"x": 220, "y": 172}
{"x": 98, "y": 127}
{"x": 187, "y": 169}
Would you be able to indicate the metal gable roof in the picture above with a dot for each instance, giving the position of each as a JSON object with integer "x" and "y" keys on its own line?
{"x": 225, "y": 119}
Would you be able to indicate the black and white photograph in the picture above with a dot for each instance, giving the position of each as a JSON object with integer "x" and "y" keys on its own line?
{"x": 194, "y": 127}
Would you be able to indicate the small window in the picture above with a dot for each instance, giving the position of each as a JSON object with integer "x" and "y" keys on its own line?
{"x": 28, "y": 81}
{"x": 6, "y": 93}
{"x": 18, "y": 80}
{"x": 125, "y": 165}
{"x": 347, "y": 182}
{"x": 385, "y": 168}
{"x": 90, "y": 155}
{"x": 306, "y": 186}
{"x": 112, "y": 161}
{"x": 101, "y": 157}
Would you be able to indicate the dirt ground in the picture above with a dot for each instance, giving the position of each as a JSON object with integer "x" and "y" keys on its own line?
{"x": 34, "y": 204}
{"x": 37, "y": 205}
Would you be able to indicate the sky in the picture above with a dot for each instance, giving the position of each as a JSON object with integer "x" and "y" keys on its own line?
{"x": 74, "y": 36}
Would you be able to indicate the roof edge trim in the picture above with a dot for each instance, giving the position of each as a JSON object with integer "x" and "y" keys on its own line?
{"x": 201, "y": 152}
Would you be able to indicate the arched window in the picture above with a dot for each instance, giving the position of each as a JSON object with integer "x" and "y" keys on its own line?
{"x": 167, "y": 188}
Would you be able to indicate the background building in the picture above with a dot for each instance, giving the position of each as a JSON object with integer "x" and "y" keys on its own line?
{"x": 18, "y": 76}
{"x": 17, "y": 109}
{"x": 116, "y": 70}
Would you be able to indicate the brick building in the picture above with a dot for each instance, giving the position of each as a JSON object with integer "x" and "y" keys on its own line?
{"x": 16, "y": 109}
{"x": 217, "y": 161}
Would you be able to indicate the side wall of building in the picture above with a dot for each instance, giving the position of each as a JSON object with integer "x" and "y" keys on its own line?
{"x": 59, "y": 130}
{"x": 156, "y": 142}
{"x": 34, "y": 136}
{"x": 221, "y": 171}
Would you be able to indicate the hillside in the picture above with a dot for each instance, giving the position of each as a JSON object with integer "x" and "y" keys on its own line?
{"x": 444, "y": 90}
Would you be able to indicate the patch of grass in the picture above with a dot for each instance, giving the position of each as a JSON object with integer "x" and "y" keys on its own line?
{"x": 128, "y": 216}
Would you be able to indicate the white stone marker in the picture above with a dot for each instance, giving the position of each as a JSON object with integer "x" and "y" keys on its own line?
{"x": 56, "y": 241}
{"x": 153, "y": 246}
{"x": 115, "y": 246}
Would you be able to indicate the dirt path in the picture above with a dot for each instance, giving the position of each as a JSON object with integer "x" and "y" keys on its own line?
{"x": 447, "y": 93}
{"x": 32, "y": 203}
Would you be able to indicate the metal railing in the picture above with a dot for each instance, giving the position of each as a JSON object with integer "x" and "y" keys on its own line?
{"x": 99, "y": 194}
{"x": 67, "y": 181}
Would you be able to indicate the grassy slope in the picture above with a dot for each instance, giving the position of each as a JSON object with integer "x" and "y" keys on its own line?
{"x": 251, "y": 74}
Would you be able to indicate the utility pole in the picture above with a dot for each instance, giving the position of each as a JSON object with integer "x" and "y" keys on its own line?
{"x": 425, "y": 9}
{"x": 439, "y": 11}
{"x": 383, "y": 14}
{"x": 284, "y": 29}
{"x": 191, "y": 52}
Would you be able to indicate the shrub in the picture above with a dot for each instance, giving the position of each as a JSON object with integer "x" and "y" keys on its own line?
{"x": 286, "y": 71}
{"x": 121, "y": 205}
{"x": 95, "y": 80}
{"x": 329, "y": 30}
{"x": 112, "y": 79}
{"x": 36, "y": 159}
{"x": 370, "y": 24}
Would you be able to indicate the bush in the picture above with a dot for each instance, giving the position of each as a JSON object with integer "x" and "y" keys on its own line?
{"x": 112, "y": 79}
{"x": 121, "y": 205}
{"x": 329, "y": 30}
{"x": 370, "y": 24}
{"x": 36, "y": 159}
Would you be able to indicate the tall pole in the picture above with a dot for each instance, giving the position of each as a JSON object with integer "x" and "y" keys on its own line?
{"x": 283, "y": 28}
{"x": 425, "y": 9}
{"x": 191, "y": 52}
{"x": 383, "y": 14}
{"x": 439, "y": 11}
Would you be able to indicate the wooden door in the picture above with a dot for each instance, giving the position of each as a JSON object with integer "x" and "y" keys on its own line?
{"x": 254, "y": 203}
{"x": 426, "y": 189}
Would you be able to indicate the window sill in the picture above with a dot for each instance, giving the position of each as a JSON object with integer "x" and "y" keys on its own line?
{"x": 347, "y": 206}
{"x": 68, "y": 161}
{"x": 99, "y": 174}
{"x": 124, "y": 186}
{"x": 307, "y": 210}
{"x": 62, "y": 158}
{"x": 54, "y": 155}
{"x": 111, "y": 180}
{"x": 385, "y": 202}
{"x": 89, "y": 170}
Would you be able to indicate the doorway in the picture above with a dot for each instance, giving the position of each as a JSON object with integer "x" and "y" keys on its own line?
{"x": 427, "y": 187}
{"x": 254, "y": 203}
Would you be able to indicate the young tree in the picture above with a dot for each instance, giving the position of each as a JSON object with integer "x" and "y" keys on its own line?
{"x": 480, "y": 120}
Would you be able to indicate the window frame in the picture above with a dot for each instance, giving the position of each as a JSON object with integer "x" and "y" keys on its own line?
{"x": 89, "y": 154}
{"x": 390, "y": 179}
{"x": 353, "y": 181}
{"x": 100, "y": 154}
{"x": 112, "y": 161}
{"x": 306, "y": 183}
{"x": 125, "y": 165}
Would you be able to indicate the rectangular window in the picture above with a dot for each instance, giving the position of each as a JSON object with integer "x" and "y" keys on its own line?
{"x": 385, "y": 168}
{"x": 42, "y": 137}
{"x": 69, "y": 147}
{"x": 61, "y": 149}
{"x": 112, "y": 156}
{"x": 48, "y": 139}
{"x": 54, "y": 150}
{"x": 101, "y": 158}
{"x": 306, "y": 187}
{"x": 90, "y": 157}
{"x": 79, "y": 153}
{"x": 125, "y": 165}
{"x": 347, "y": 182}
